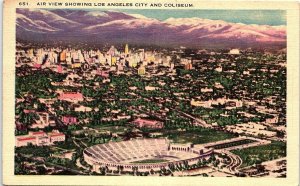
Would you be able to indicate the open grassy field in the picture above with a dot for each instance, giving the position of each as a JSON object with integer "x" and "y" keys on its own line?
{"x": 258, "y": 154}
{"x": 197, "y": 135}
{"x": 232, "y": 144}
{"x": 109, "y": 128}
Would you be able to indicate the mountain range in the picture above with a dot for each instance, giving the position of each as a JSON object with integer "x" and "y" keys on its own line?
{"x": 115, "y": 27}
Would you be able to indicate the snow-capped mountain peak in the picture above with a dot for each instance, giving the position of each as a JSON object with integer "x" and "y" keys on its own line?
{"x": 115, "y": 26}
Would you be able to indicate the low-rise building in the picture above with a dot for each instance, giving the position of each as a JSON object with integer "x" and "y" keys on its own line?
{"x": 82, "y": 108}
{"x": 71, "y": 96}
{"x": 69, "y": 120}
{"x": 39, "y": 138}
{"x": 141, "y": 70}
{"x": 147, "y": 123}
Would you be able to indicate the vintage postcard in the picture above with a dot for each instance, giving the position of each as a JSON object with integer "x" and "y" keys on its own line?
{"x": 150, "y": 93}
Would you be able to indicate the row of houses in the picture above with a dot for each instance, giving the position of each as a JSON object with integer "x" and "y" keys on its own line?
{"x": 229, "y": 103}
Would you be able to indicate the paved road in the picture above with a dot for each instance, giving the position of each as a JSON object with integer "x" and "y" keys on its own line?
{"x": 78, "y": 145}
{"x": 235, "y": 163}
{"x": 199, "y": 122}
{"x": 80, "y": 165}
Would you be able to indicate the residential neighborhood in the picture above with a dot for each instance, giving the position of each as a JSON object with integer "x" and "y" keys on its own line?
{"x": 68, "y": 99}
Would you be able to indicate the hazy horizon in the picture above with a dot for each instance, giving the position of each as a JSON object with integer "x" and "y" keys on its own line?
{"x": 259, "y": 17}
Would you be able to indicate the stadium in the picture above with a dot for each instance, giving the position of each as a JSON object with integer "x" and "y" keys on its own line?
{"x": 143, "y": 155}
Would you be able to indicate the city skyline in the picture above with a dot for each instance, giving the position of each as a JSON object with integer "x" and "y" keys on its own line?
{"x": 140, "y": 112}
{"x": 117, "y": 93}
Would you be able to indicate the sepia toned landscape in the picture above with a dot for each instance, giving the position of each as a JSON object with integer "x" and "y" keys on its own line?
{"x": 120, "y": 92}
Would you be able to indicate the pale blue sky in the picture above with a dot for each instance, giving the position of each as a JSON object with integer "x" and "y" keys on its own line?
{"x": 268, "y": 17}
{"x": 260, "y": 17}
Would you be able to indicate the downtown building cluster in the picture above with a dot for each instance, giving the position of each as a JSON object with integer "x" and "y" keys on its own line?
{"x": 64, "y": 59}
